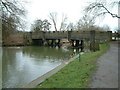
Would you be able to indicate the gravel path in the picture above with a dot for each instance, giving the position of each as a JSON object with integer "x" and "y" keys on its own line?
{"x": 106, "y": 74}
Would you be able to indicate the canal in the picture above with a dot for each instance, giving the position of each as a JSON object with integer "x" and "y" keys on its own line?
{"x": 21, "y": 65}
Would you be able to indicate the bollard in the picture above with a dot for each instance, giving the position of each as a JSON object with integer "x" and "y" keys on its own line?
{"x": 79, "y": 57}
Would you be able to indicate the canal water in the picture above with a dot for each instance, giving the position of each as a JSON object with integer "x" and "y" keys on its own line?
{"x": 21, "y": 65}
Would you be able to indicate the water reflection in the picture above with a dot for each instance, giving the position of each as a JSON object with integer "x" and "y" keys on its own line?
{"x": 23, "y": 64}
{"x": 46, "y": 52}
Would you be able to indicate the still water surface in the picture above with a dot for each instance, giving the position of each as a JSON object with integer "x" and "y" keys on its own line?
{"x": 21, "y": 65}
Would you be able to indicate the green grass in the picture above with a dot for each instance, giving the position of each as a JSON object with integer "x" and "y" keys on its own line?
{"x": 77, "y": 73}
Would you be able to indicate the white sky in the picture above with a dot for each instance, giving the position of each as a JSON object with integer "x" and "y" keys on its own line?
{"x": 40, "y": 9}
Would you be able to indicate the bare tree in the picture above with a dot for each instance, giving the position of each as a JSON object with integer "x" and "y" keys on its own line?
{"x": 12, "y": 8}
{"x": 11, "y": 12}
{"x": 40, "y": 25}
{"x": 102, "y": 8}
{"x": 53, "y": 17}
{"x": 37, "y": 26}
{"x": 63, "y": 22}
{"x": 85, "y": 22}
{"x": 106, "y": 28}
{"x": 46, "y": 25}
{"x": 70, "y": 26}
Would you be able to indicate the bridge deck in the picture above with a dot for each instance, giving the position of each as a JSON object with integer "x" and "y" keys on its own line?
{"x": 73, "y": 35}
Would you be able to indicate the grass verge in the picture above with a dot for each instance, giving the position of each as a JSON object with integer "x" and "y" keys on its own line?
{"x": 77, "y": 73}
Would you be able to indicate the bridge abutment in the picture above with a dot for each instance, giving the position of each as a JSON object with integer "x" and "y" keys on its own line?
{"x": 110, "y": 35}
{"x": 77, "y": 43}
{"x": 38, "y": 42}
{"x": 82, "y": 45}
{"x": 93, "y": 45}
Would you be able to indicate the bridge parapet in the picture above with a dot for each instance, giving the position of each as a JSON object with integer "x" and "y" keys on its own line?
{"x": 37, "y": 35}
{"x": 55, "y": 35}
{"x": 102, "y": 36}
{"x": 75, "y": 35}
{"x": 80, "y": 35}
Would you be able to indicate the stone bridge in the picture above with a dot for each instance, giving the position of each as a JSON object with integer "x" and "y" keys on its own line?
{"x": 76, "y": 38}
{"x": 72, "y": 35}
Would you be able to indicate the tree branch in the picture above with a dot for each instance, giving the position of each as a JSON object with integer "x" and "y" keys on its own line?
{"x": 95, "y": 7}
{"x": 113, "y": 15}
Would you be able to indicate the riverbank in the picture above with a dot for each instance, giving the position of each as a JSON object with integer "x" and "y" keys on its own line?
{"x": 14, "y": 40}
{"x": 77, "y": 73}
{"x": 42, "y": 78}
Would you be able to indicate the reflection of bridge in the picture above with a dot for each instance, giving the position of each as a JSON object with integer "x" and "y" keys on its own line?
{"x": 76, "y": 37}
{"x": 47, "y": 52}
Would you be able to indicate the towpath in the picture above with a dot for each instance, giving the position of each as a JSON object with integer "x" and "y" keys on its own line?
{"x": 106, "y": 74}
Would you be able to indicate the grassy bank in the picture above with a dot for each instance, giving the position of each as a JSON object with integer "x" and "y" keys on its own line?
{"x": 77, "y": 73}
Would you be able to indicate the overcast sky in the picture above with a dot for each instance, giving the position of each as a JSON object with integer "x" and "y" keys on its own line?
{"x": 40, "y": 9}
